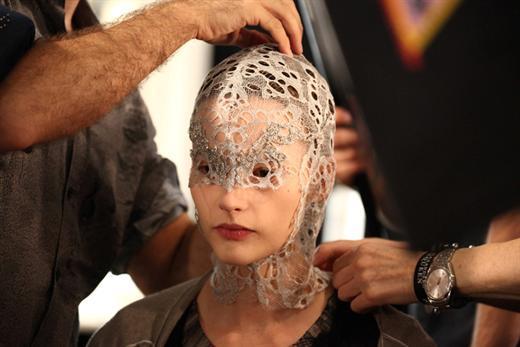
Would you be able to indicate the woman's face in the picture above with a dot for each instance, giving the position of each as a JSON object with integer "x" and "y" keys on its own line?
{"x": 244, "y": 225}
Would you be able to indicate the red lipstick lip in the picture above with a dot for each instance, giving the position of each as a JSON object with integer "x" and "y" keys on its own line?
{"x": 232, "y": 226}
{"x": 234, "y": 232}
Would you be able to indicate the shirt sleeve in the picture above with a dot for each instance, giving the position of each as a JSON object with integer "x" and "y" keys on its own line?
{"x": 158, "y": 199}
{"x": 16, "y": 37}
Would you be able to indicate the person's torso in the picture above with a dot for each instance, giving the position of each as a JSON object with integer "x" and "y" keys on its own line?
{"x": 64, "y": 206}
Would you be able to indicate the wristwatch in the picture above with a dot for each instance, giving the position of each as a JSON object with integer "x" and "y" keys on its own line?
{"x": 421, "y": 271}
{"x": 440, "y": 284}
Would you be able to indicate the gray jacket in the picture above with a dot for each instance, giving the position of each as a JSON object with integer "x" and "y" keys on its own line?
{"x": 150, "y": 321}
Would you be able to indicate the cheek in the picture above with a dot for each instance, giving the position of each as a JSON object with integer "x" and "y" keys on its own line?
{"x": 196, "y": 194}
{"x": 282, "y": 209}
{"x": 202, "y": 199}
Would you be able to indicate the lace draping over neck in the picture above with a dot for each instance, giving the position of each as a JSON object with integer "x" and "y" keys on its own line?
{"x": 238, "y": 133}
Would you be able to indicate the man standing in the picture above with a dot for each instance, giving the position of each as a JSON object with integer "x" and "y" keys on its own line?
{"x": 82, "y": 193}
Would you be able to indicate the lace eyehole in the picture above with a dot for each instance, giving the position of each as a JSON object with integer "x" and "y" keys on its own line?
{"x": 203, "y": 168}
{"x": 260, "y": 170}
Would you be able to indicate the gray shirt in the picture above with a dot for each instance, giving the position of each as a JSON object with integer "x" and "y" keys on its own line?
{"x": 73, "y": 209}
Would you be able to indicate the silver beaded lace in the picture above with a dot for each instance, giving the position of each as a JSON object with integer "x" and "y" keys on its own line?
{"x": 234, "y": 134}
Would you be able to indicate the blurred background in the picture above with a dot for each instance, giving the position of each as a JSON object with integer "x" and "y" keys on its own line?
{"x": 170, "y": 94}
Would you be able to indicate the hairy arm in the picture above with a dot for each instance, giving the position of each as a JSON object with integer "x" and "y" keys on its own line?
{"x": 67, "y": 83}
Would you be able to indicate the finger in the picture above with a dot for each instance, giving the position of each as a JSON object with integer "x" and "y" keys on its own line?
{"x": 286, "y": 13}
{"x": 344, "y": 260}
{"x": 292, "y": 7}
{"x": 345, "y": 137}
{"x": 342, "y": 276}
{"x": 345, "y": 172}
{"x": 248, "y": 38}
{"x": 349, "y": 291}
{"x": 343, "y": 116}
{"x": 300, "y": 25}
{"x": 331, "y": 250}
{"x": 275, "y": 28}
{"x": 297, "y": 14}
{"x": 387, "y": 243}
{"x": 346, "y": 154}
{"x": 325, "y": 266}
{"x": 361, "y": 304}
{"x": 297, "y": 25}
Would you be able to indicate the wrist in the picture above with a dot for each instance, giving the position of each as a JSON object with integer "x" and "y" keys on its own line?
{"x": 438, "y": 289}
{"x": 474, "y": 271}
{"x": 183, "y": 16}
{"x": 421, "y": 270}
{"x": 460, "y": 262}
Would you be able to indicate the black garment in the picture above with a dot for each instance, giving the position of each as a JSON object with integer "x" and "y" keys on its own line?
{"x": 445, "y": 134}
{"x": 73, "y": 209}
{"x": 16, "y": 36}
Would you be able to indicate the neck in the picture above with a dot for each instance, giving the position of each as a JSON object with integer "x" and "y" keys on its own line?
{"x": 275, "y": 282}
{"x": 247, "y": 321}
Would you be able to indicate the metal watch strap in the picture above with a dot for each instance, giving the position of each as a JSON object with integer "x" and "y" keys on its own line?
{"x": 443, "y": 260}
{"x": 455, "y": 299}
{"x": 421, "y": 271}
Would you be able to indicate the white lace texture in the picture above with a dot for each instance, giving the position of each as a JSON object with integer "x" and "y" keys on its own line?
{"x": 240, "y": 136}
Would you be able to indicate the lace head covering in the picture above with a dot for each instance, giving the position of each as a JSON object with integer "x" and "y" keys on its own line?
{"x": 237, "y": 132}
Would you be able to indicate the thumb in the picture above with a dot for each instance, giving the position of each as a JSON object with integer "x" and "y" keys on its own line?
{"x": 248, "y": 38}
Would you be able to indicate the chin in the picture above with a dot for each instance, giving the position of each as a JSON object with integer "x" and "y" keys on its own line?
{"x": 236, "y": 257}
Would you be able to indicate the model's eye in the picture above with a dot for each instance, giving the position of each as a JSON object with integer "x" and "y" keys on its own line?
{"x": 260, "y": 170}
{"x": 203, "y": 168}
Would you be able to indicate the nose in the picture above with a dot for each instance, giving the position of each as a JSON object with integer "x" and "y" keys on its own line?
{"x": 234, "y": 200}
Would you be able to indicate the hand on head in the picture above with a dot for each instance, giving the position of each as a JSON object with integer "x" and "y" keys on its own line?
{"x": 370, "y": 272}
{"x": 224, "y": 21}
{"x": 346, "y": 148}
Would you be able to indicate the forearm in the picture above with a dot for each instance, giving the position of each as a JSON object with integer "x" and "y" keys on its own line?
{"x": 67, "y": 83}
{"x": 495, "y": 327}
{"x": 193, "y": 257}
{"x": 491, "y": 273}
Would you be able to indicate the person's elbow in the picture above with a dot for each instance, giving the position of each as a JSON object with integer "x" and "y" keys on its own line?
{"x": 16, "y": 137}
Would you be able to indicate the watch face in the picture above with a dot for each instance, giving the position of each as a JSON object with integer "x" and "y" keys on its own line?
{"x": 438, "y": 284}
